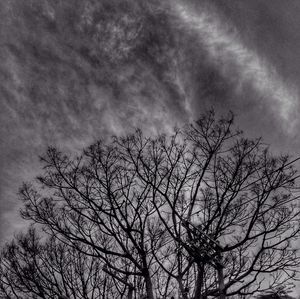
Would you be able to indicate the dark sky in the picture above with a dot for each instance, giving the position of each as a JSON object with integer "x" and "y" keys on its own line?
{"x": 74, "y": 71}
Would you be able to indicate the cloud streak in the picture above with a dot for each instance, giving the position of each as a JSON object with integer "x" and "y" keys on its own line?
{"x": 228, "y": 52}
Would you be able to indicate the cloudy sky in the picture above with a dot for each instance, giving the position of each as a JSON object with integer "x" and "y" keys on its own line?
{"x": 74, "y": 71}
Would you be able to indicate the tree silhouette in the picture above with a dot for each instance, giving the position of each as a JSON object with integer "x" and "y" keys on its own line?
{"x": 35, "y": 268}
{"x": 202, "y": 212}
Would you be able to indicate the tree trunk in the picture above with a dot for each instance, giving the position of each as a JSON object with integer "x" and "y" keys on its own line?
{"x": 149, "y": 287}
{"x": 221, "y": 282}
{"x": 181, "y": 288}
{"x": 104, "y": 289}
{"x": 199, "y": 282}
{"x": 147, "y": 277}
{"x": 130, "y": 293}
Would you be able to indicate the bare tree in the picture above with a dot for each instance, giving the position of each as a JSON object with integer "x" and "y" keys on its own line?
{"x": 202, "y": 212}
{"x": 35, "y": 268}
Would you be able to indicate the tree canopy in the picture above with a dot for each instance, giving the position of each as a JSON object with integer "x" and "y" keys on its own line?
{"x": 203, "y": 211}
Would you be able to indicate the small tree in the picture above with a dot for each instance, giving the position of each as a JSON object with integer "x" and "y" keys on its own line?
{"x": 35, "y": 268}
{"x": 151, "y": 209}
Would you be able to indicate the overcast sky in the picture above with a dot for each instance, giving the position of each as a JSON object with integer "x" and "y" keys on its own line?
{"x": 74, "y": 71}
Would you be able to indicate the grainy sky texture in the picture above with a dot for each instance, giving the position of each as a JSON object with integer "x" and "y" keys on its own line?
{"x": 78, "y": 70}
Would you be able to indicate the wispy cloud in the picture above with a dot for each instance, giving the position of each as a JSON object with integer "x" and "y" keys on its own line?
{"x": 75, "y": 71}
{"x": 226, "y": 49}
